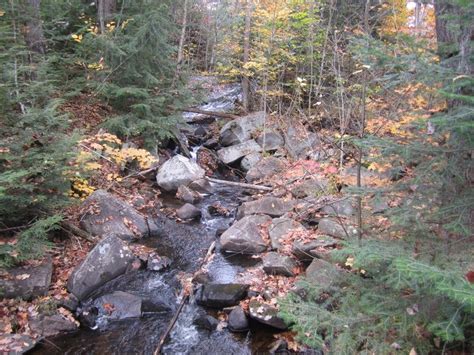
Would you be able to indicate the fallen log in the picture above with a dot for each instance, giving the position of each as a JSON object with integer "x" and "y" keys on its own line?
{"x": 71, "y": 228}
{"x": 185, "y": 297}
{"x": 210, "y": 113}
{"x": 240, "y": 184}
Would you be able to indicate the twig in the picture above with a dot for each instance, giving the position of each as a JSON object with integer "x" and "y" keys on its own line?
{"x": 71, "y": 228}
{"x": 185, "y": 297}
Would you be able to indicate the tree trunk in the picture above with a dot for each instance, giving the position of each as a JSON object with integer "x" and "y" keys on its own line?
{"x": 183, "y": 33}
{"x": 33, "y": 30}
{"x": 245, "y": 79}
{"x": 105, "y": 11}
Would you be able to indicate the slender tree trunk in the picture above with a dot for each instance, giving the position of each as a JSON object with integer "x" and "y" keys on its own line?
{"x": 245, "y": 79}
{"x": 105, "y": 11}
{"x": 34, "y": 35}
{"x": 183, "y": 33}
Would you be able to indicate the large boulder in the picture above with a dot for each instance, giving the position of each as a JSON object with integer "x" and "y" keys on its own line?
{"x": 232, "y": 153}
{"x": 220, "y": 295}
{"x": 270, "y": 140}
{"x": 244, "y": 236}
{"x": 106, "y": 214}
{"x": 265, "y": 167}
{"x": 280, "y": 227}
{"x": 310, "y": 188}
{"x": 300, "y": 144}
{"x": 178, "y": 171}
{"x": 266, "y": 314}
{"x": 336, "y": 228}
{"x": 340, "y": 208}
{"x": 323, "y": 274}
{"x": 27, "y": 282}
{"x": 277, "y": 264}
{"x": 119, "y": 305}
{"x": 250, "y": 161}
{"x": 237, "y": 321}
{"x": 240, "y": 130}
{"x": 107, "y": 260}
{"x": 271, "y": 206}
{"x": 49, "y": 326}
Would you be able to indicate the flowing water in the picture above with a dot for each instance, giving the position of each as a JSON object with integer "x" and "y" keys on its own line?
{"x": 185, "y": 244}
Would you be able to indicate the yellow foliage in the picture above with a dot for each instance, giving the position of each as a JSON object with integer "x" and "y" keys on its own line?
{"x": 77, "y": 38}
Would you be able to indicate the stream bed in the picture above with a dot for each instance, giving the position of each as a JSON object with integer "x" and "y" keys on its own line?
{"x": 185, "y": 244}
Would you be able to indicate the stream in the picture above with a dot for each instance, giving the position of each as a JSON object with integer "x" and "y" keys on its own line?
{"x": 185, "y": 244}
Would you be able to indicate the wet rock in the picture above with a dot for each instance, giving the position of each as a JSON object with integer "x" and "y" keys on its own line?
{"x": 178, "y": 171}
{"x": 88, "y": 316}
{"x": 16, "y": 343}
{"x": 272, "y": 140}
{"x": 323, "y": 274}
{"x": 188, "y": 211}
{"x": 277, "y": 264}
{"x": 237, "y": 321}
{"x": 334, "y": 228}
{"x": 49, "y": 326}
{"x": 106, "y": 214}
{"x": 211, "y": 143}
{"x": 232, "y": 153}
{"x": 119, "y": 305}
{"x": 301, "y": 145}
{"x": 240, "y": 130}
{"x": 266, "y": 314}
{"x": 310, "y": 188}
{"x": 220, "y": 295}
{"x": 157, "y": 263}
{"x": 27, "y": 282}
{"x": 107, "y": 260}
{"x": 250, "y": 161}
{"x": 265, "y": 167}
{"x": 280, "y": 227}
{"x": 201, "y": 185}
{"x": 306, "y": 251}
{"x": 244, "y": 236}
{"x": 206, "y": 322}
{"x": 271, "y": 206}
{"x": 186, "y": 194}
{"x": 340, "y": 208}
{"x": 201, "y": 278}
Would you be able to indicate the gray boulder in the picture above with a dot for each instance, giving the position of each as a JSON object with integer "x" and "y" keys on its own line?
{"x": 265, "y": 167}
{"x": 277, "y": 264}
{"x": 244, "y": 236}
{"x": 107, "y": 260}
{"x": 323, "y": 274}
{"x": 205, "y": 321}
{"x": 307, "y": 251}
{"x": 300, "y": 145}
{"x": 250, "y": 161}
{"x": 280, "y": 227}
{"x": 49, "y": 326}
{"x": 220, "y": 295}
{"x": 119, "y": 305}
{"x": 27, "y": 282}
{"x": 106, "y": 214}
{"x": 188, "y": 211}
{"x": 271, "y": 206}
{"x": 178, "y": 171}
{"x": 310, "y": 188}
{"x": 240, "y": 130}
{"x": 16, "y": 343}
{"x": 232, "y": 153}
{"x": 272, "y": 140}
{"x": 340, "y": 208}
{"x": 266, "y": 314}
{"x": 188, "y": 195}
{"x": 201, "y": 185}
{"x": 237, "y": 321}
{"x": 334, "y": 228}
